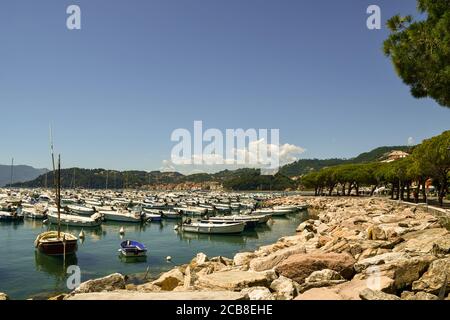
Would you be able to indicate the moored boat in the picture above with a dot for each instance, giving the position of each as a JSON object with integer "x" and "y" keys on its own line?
{"x": 75, "y": 221}
{"x": 130, "y": 248}
{"x": 52, "y": 244}
{"x": 213, "y": 228}
{"x": 122, "y": 216}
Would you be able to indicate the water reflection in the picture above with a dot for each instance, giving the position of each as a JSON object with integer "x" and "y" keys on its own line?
{"x": 54, "y": 265}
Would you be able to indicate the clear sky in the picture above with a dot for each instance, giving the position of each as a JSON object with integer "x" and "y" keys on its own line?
{"x": 116, "y": 89}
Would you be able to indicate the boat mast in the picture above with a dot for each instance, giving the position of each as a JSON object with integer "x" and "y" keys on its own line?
{"x": 58, "y": 196}
{"x": 12, "y": 172}
{"x": 55, "y": 180}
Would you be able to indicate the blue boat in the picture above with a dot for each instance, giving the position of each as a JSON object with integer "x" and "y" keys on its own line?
{"x": 130, "y": 248}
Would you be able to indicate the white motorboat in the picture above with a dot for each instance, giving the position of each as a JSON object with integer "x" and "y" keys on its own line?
{"x": 290, "y": 209}
{"x": 250, "y": 222}
{"x": 74, "y": 221}
{"x": 122, "y": 216}
{"x": 37, "y": 213}
{"x": 191, "y": 211}
{"x": 213, "y": 228}
{"x": 272, "y": 212}
{"x": 262, "y": 218}
{"x": 80, "y": 210}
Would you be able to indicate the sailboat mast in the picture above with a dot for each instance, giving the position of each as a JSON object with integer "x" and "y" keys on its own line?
{"x": 12, "y": 173}
{"x": 107, "y": 173}
{"x": 58, "y": 195}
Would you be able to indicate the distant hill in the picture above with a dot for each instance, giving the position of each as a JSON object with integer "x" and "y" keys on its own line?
{"x": 240, "y": 179}
{"x": 304, "y": 166}
{"x": 21, "y": 173}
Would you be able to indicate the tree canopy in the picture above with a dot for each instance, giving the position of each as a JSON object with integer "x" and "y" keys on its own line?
{"x": 420, "y": 50}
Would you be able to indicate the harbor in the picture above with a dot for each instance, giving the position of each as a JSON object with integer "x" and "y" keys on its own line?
{"x": 29, "y": 273}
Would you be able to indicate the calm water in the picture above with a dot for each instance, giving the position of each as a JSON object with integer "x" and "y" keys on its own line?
{"x": 25, "y": 273}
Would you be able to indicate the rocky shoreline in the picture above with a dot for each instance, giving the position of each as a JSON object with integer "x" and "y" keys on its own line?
{"x": 353, "y": 248}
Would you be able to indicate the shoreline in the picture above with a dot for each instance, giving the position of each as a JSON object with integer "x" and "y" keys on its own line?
{"x": 354, "y": 248}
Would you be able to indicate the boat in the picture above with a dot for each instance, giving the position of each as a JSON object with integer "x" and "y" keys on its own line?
{"x": 75, "y": 221}
{"x": 7, "y": 216}
{"x": 36, "y": 212}
{"x": 250, "y": 222}
{"x": 171, "y": 214}
{"x": 262, "y": 218}
{"x": 272, "y": 212}
{"x": 152, "y": 217}
{"x": 57, "y": 242}
{"x": 290, "y": 209}
{"x": 213, "y": 228}
{"x": 80, "y": 210}
{"x": 122, "y": 216}
{"x": 192, "y": 211}
{"x": 130, "y": 248}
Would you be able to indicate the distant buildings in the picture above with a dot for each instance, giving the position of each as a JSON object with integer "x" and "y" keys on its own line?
{"x": 395, "y": 155}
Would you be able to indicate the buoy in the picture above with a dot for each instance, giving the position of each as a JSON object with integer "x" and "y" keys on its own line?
{"x": 121, "y": 231}
{"x": 81, "y": 235}
{"x": 175, "y": 228}
{"x": 168, "y": 258}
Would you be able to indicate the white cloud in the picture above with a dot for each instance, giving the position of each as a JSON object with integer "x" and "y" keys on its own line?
{"x": 258, "y": 154}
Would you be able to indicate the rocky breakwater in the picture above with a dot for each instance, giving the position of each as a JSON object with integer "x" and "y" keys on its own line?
{"x": 354, "y": 248}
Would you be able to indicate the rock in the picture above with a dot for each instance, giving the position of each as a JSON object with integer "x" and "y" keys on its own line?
{"x": 406, "y": 295}
{"x": 223, "y": 260}
{"x": 189, "y": 278}
{"x": 298, "y": 267}
{"x": 201, "y": 259}
{"x": 162, "y": 295}
{"x": 112, "y": 282}
{"x": 319, "y": 294}
{"x": 369, "y": 294}
{"x": 306, "y": 225}
{"x": 423, "y": 241}
{"x": 3, "y": 296}
{"x": 403, "y": 271}
{"x": 56, "y": 298}
{"x": 270, "y": 261}
{"x": 131, "y": 286}
{"x": 234, "y": 280}
{"x": 379, "y": 259}
{"x": 376, "y": 233}
{"x": 258, "y": 293}
{"x": 319, "y": 284}
{"x": 284, "y": 288}
{"x": 170, "y": 280}
{"x": 433, "y": 280}
{"x": 324, "y": 275}
{"x": 243, "y": 258}
{"x": 148, "y": 287}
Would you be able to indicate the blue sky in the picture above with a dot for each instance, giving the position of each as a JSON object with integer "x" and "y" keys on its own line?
{"x": 116, "y": 89}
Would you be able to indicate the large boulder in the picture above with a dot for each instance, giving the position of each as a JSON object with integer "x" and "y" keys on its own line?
{"x": 403, "y": 271}
{"x": 284, "y": 288}
{"x": 201, "y": 259}
{"x": 170, "y": 280}
{"x": 298, "y": 267}
{"x": 234, "y": 280}
{"x": 378, "y": 260}
{"x": 434, "y": 279}
{"x": 3, "y": 296}
{"x": 425, "y": 241}
{"x": 114, "y": 281}
{"x": 270, "y": 261}
{"x": 258, "y": 293}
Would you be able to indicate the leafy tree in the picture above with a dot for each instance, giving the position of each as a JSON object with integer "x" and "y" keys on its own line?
{"x": 433, "y": 156}
{"x": 420, "y": 50}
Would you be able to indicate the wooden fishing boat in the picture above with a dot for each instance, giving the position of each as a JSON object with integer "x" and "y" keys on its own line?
{"x": 56, "y": 243}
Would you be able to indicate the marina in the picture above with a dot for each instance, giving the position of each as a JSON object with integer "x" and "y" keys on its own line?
{"x": 33, "y": 262}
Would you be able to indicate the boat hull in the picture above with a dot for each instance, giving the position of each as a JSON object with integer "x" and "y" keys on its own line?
{"x": 214, "y": 228}
{"x": 55, "y": 248}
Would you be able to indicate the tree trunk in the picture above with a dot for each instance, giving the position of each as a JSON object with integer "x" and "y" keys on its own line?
{"x": 343, "y": 189}
{"x": 424, "y": 192}
{"x": 408, "y": 191}
{"x": 392, "y": 191}
{"x": 373, "y": 190}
